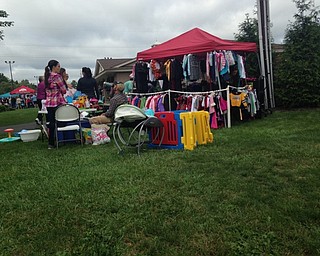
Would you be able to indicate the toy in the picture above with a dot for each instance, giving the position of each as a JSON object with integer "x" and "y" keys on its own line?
{"x": 81, "y": 101}
{"x": 29, "y": 135}
{"x": 94, "y": 103}
{"x": 9, "y": 138}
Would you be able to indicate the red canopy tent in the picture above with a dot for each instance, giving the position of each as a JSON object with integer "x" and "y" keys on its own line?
{"x": 193, "y": 41}
{"x": 22, "y": 90}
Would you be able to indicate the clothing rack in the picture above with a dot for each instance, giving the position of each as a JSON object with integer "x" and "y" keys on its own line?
{"x": 193, "y": 93}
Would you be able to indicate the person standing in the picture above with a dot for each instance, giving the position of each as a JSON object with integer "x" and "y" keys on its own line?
{"x": 41, "y": 95}
{"x": 87, "y": 84}
{"x": 28, "y": 102}
{"x": 13, "y": 102}
{"x": 55, "y": 89}
{"x": 34, "y": 100}
{"x": 18, "y": 102}
{"x": 70, "y": 90}
{"x": 128, "y": 86}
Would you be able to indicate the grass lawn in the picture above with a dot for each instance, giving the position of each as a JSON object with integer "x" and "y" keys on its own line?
{"x": 18, "y": 116}
{"x": 254, "y": 191}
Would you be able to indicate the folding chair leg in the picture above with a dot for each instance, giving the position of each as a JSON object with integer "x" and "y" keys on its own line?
{"x": 57, "y": 138}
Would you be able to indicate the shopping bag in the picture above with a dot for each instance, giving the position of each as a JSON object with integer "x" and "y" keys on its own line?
{"x": 99, "y": 134}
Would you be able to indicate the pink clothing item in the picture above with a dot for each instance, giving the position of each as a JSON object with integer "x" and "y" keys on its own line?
{"x": 55, "y": 90}
{"x": 134, "y": 100}
{"x": 223, "y": 104}
{"x": 211, "y": 104}
{"x": 214, "y": 122}
{"x": 148, "y": 101}
{"x": 154, "y": 103}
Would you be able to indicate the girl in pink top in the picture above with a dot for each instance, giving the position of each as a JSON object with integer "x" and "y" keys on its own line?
{"x": 55, "y": 89}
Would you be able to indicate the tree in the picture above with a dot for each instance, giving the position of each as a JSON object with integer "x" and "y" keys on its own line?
{"x": 248, "y": 32}
{"x": 25, "y": 82}
{"x": 74, "y": 83}
{"x": 3, "y": 78}
{"x": 3, "y": 14}
{"x": 5, "y": 84}
{"x": 297, "y": 79}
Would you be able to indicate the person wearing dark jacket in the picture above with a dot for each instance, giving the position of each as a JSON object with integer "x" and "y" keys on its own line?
{"x": 87, "y": 84}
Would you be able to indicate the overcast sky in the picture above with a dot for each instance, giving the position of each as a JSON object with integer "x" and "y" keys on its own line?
{"x": 78, "y": 32}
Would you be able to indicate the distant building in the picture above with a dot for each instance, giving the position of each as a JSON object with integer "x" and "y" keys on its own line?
{"x": 277, "y": 53}
{"x": 110, "y": 70}
{"x": 277, "y": 48}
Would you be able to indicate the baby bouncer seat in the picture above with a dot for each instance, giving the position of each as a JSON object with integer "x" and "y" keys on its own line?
{"x": 132, "y": 126}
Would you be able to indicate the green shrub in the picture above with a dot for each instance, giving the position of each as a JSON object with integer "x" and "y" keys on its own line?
{"x": 3, "y": 108}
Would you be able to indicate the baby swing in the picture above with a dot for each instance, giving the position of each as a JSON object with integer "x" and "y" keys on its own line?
{"x": 132, "y": 126}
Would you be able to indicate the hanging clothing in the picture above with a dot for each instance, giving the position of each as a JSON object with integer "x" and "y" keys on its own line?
{"x": 223, "y": 104}
{"x": 155, "y": 69}
{"x": 193, "y": 67}
{"x": 141, "y": 77}
{"x": 224, "y": 64}
{"x": 167, "y": 65}
{"x": 185, "y": 67}
{"x": 238, "y": 99}
{"x": 214, "y": 121}
{"x": 230, "y": 58}
{"x": 176, "y": 75}
{"x": 150, "y": 75}
{"x": 143, "y": 102}
{"x": 242, "y": 72}
{"x": 160, "y": 105}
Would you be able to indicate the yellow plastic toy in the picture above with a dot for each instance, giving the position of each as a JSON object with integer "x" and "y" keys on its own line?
{"x": 188, "y": 138}
{"x": 196, "y": 129}
{"x": 202, "y": 127}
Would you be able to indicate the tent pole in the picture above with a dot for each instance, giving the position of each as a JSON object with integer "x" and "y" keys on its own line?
{"x": 169, "y": 91}
{"x": 267, "y": 52}
{"x": 262, "y": 60}
{"x": 270, "y": 55}
{"x": 228, "y": 107}
{"x": 218, "y": 76}
{"x": 264, "y": 96}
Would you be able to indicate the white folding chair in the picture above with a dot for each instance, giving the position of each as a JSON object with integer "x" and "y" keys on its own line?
{"x": 68, "y": 119}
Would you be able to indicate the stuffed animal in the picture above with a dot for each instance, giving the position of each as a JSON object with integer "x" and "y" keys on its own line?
{"x": 82, "y": 100}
